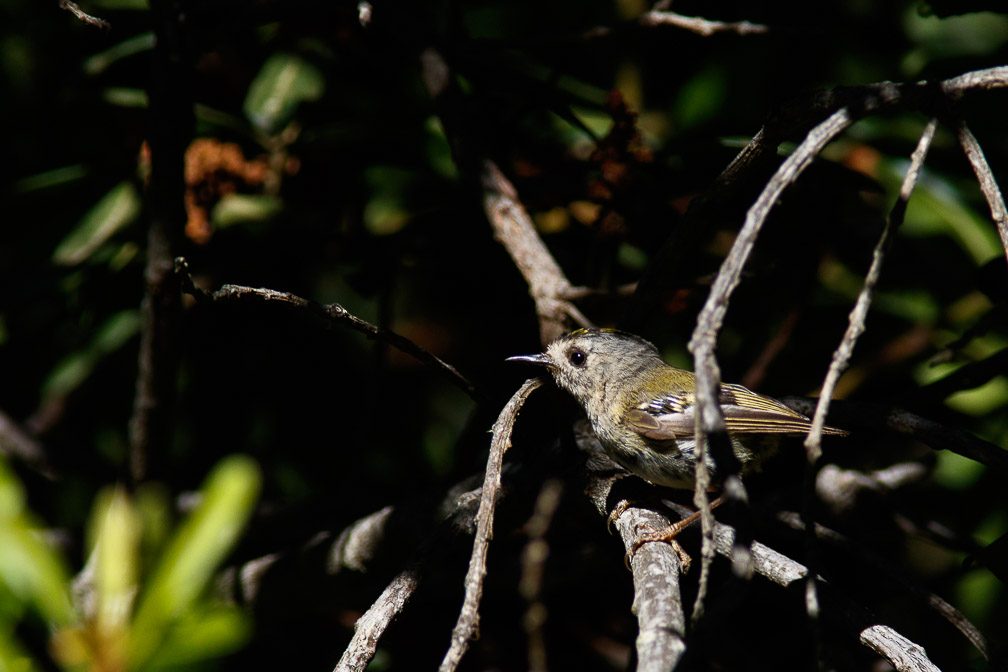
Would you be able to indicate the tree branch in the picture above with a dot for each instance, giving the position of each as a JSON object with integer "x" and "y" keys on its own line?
{"x": 75, "y": 9}
{"x": 655, "y": 566}
{"x": 902, "y": 653}
{"x": 172, "y": 121}
{"x": 330, "y": 315}
{"x": 700, "y": 26}
{"x": 468, "y": 620}
{"x": 513, "y": 228}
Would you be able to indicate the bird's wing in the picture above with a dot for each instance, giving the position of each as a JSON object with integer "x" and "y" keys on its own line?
{"x": 671, "y": 417}
{"x": 746, "y": 412}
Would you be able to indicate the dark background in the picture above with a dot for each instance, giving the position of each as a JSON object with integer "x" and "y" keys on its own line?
{"x": 342, "y": 187}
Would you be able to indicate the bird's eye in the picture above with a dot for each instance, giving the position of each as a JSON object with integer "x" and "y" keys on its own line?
{"x": 576, "y": 358}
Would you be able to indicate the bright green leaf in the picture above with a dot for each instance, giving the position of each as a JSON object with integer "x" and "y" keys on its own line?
{"x": 75, "y": 368}
{"x": 241, "y": 208}
{"x": 13, "y": 658}
{"x": 204, "y": 539}
{"x": 125, "y": 97}
{"x": 29, "y": 569}
{"x": 117, "y": 209}
{"x": 202, "y": 635}
{"x": 283, "y": 82}
{"x": 117, "y": 544}
{"x": 99, "y": 62}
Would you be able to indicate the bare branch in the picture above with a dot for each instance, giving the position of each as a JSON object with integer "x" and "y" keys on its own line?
{"x": 16, "y": 442}
{"x": 988, "y": 185}
{"x": 859, "y": 313}
{"x": 700, "y": 26}
{"x": 990, "y": 78}
{"x": 855, "y": 327}
{"x": 172, "y": 123}
{"x": 514, "y": 229}
{"x": 533, "y": 564}
{"x": 74, "y": 9}
{"x": 468, "y": 619}
{"x": 793, "y": 120}
{"x": 709, "y": 419}
{"x": 655, "y": 566}
{"x": 902, "y": 653}
{"x": 372, "y": 625}
{"x": 331, "y": 314}
{"x": 854, "y": 415}
{"x": 895, "y": 574}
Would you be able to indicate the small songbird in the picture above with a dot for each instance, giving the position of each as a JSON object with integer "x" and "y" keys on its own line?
{"x": 642, "y": 409}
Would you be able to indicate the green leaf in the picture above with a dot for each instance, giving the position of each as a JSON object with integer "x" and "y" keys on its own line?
{"x": 125, "y": 97}
{"x": 135, "y": 45}
{"x": 117, "y": 547}
{"x": 51, "y": 178}
{"x": 203, "y": 541}
{"x": 242, "y": 208}
{"x": 29, "y": 569}
{"x": 13, "y": 657}
{"x": 211, "y": 632}
{"x": 283, "y": 82}
{"x": 117, "y": 209}
{"x": 75, "y": 368}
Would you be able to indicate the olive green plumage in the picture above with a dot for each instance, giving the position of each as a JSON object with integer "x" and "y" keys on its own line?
{"x": 642, "y": 409}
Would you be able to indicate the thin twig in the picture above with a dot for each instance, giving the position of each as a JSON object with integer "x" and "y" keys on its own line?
{"x": 699, "y": 25}
{"x": 459, "y": 512}
{"x": 988, "y": 185}
{"x": 514, "y": 229}
{"x": 902, "y": 653}
{"x": 709, "y": 419}
{"x": 372, "y": 625}
{"x": 859, "y": 313}
{"x": 17, "y": 442}
{"x": 74, "y": 9}
{"x": 468, "y": 620}
{"x": 895, "y": 574}
{"x": 855, "y": 416}
{"x": 172, "y": 123}
{"x": 329, "y": 314}
{"x": 790, "y": 121}
{"x": 533, "y": 569}
{"x": 842, "y": 355}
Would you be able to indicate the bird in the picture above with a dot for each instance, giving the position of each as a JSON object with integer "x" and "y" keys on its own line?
{"x": 643, "y": 409}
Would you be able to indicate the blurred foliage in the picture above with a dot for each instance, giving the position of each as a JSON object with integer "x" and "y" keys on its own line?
{"x": 141, "y": 598}
{"x": 322, "y": 167}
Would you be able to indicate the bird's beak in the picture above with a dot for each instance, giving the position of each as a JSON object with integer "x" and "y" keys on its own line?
{"x": 541, "y": 359}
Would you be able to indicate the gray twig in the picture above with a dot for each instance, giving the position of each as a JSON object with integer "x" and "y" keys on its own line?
{"x": 988, "y": 185}
{"x": 513, "y": 228}
{"x": 172, "y": 123}
{"x": 372, "y": 625}
{"x": 468, "y": 619}
{"x": 329, "y": 314}
{"x": 699, "y": 25}
{"x": 859, "y": 313}
{"x": 709, "y": 419}
{"x": 16, "y": 441}
{"x": 533, "y": 569}
{"x": 75, "y": 9}
{"x": 895, "y": 574}
{"x": 902, "y": 653}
